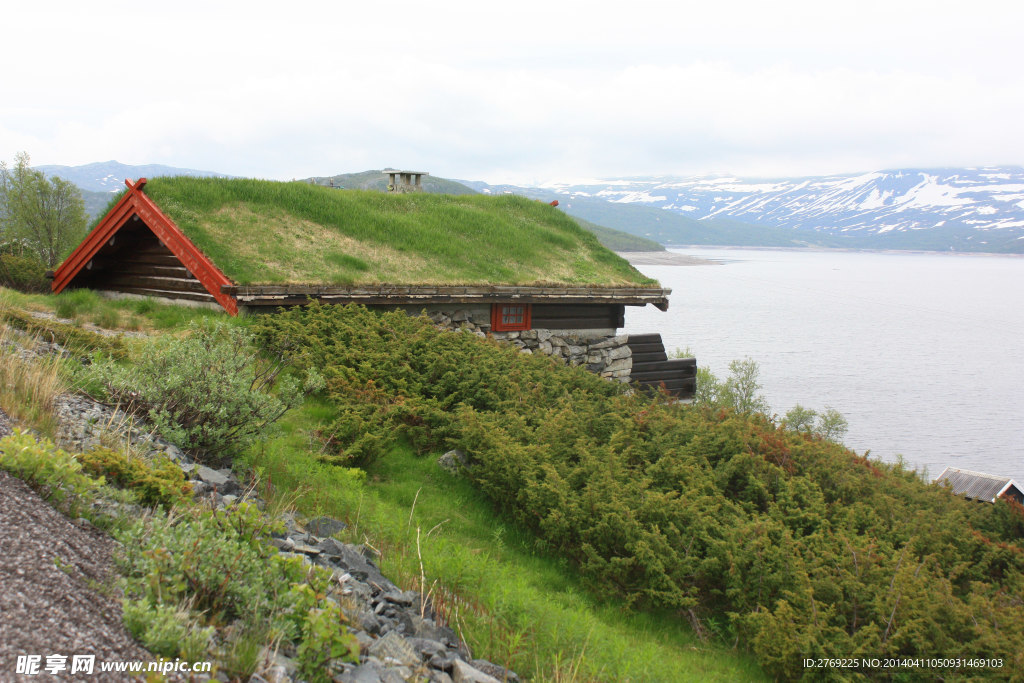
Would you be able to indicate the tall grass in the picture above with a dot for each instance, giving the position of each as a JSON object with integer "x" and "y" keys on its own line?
{"x": 465, "y": 239}
{"x": 28, "y": 384}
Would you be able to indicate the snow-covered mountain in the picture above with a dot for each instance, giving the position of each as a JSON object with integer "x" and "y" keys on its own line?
{"x": 109, "y": 176}
{"x": 974, "y": 209}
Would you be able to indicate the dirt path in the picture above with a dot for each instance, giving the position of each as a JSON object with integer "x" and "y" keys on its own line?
{"x": 50, "y": 569}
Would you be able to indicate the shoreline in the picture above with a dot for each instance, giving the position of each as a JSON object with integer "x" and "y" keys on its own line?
{"x": 665, "y": 258}
{"x": 815, "y": 248}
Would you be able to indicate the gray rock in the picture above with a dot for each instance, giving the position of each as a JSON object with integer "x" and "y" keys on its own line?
{"x": 370, "y": 622}
{"x": 428, "y": 648}
{"x": 621, "y": 352}
{"x": 331, "y": 547}
{"x": 465, "y": 673}
{"x": 404, "y": 598}
{"x": 211, "y": 477}
{"x": 370, "y": 671}
{"x": 285, "y": 544}
{"x": 620, "y": 364}
{"x": 305, "y": 549}
{"x": 452, "y": 461}
{"x": 491, "y": 669}
{"x": 362, "y": 569}
{"x": 394, "y": 646}
{"x": 325, "y": 526}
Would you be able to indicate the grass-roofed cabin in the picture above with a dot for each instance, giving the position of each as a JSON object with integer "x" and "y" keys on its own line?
{"x": 505, "y": 265}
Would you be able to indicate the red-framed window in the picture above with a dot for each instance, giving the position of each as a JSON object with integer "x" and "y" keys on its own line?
{"x": 510, "y": 317}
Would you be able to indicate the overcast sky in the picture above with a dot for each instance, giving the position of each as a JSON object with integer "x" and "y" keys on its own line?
{"x": 523, "y": 92}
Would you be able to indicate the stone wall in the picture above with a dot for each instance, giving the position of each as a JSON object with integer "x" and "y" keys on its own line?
{"x": 601, "y": 351}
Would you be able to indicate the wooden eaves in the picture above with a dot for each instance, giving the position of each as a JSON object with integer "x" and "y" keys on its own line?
{"x": 404, "y": 295}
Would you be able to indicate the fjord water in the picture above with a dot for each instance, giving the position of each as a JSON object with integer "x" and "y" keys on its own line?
{"x": 922, "y": 353}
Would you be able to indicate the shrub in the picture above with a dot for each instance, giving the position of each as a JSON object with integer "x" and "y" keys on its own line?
{"x": 773, "y": 537}
{"x": 209, "y": 392}
{"x": 24, "y": 273}
{"x": 159, "y": 483}
{"x": 167, "y": 630}
{"x": 54, "y": 474}
{"x": 204, "y": 567}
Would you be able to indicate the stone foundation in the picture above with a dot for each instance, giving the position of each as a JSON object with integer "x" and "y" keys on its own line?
{"x": 601, "y": 351}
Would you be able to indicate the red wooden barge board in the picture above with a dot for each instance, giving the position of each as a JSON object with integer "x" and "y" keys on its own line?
{"x": 135, "y": 202}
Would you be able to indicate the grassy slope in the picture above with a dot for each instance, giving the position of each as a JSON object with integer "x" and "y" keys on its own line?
{"x": 270, "y": 232}
{"x": 516, "y": 606}
{"x": 616, "y": 240}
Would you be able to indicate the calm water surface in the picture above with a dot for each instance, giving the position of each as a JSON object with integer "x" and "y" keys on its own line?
{"x": 922, "y": 353}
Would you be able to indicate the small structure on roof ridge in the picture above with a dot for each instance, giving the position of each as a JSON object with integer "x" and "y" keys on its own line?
{"x": 981, "y": 486}
{"x": 405, "y": 181}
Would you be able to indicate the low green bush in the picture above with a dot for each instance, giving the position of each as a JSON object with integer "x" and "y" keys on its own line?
{"x": 159, "y": 483}
{"x": 197, "y": 568}
{"x": 167, "y": 630}
{"x": 56, "y": 475}
{"x": 24, "y": 273}
{"x": 211, "y": 391}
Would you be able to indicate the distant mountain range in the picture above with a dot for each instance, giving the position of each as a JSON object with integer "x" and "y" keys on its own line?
{"x": 100, "y": 180}
{"x": 109, "y": 176}
{"x": 953, "y": 209}
{"x": 961, "y": 209}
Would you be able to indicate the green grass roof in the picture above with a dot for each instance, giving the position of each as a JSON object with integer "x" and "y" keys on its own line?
{"x": 264, "y": 232}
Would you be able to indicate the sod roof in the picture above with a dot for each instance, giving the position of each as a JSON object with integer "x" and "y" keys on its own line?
{"x": 266, "y": 232}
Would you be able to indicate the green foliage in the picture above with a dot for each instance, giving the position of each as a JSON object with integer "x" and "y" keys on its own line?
{"x": 397, "y": 376}
{"x": 829, "y": 424}
{"x": 514, "y": 604}
{"x": 262, "y": 231}
{"x": 57, "y": 476}
{"x": 324, "y": 638}
{"x": 25, "y": 273}
{"x": 48, "y": 214}
{"x": 199, "y": 568}
{"x": 785, "y": 541}
{"x": 741, "y": 390}
{"x": 209, "y": 391}
{"x": 159, "y": 483}
{"x": 167, "y": 630}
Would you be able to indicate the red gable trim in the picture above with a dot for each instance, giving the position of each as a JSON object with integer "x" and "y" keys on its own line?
{"x": 135, "y": 202}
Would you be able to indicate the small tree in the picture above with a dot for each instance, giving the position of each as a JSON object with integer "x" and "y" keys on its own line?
{"x": 742, "y": 390}
{"x": 47, "y": 214}
{"x": 828, "y": 424}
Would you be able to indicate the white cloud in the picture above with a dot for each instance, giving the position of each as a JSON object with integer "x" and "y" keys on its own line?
{"x": 521, "y": 92}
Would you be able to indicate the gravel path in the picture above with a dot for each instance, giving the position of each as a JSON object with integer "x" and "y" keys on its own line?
{"x": 46, "y": 609}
